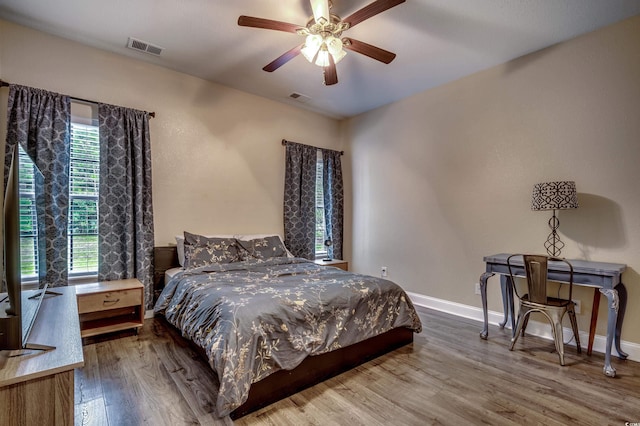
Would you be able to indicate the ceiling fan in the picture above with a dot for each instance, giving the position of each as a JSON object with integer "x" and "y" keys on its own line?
{"x": 324, "y": 44}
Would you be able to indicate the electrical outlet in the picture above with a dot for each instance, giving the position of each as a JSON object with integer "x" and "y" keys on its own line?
{"x": 577, "y": 305}
{"x": 384, "y": 272}
{"x": 477, "y": 287}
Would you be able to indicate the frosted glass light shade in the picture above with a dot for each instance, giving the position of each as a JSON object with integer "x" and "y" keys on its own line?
{"x": 311, "y": 46}
{"x": 318, "y": 48}
{"x": 334, "y": 46}
{"x": 323, "y": 58}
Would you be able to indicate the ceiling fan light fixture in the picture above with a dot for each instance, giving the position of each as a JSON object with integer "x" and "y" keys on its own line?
{"x": 316, "y": 49}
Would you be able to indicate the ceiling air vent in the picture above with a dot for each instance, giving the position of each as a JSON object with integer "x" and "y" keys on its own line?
{"x": 300, "y": 97}
{"x": 143, "y": 46}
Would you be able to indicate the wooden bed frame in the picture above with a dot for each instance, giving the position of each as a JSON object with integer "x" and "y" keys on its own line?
{"x": 312, "y": 370}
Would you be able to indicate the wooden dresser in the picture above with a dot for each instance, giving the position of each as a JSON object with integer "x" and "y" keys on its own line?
{"x": 37, "y": 387}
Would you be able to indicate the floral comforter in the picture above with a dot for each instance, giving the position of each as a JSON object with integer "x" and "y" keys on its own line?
{"x": 256, "y": 317}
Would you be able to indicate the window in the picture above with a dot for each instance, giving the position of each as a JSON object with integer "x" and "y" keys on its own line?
{"x": 84, "y": 172}
{"x": 84, "y": 178}
{"x": 321, "y": 250}
{"x": 28, "y": 222}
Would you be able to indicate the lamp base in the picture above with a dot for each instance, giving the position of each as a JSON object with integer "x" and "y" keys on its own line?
{"x": 554, "y": 244}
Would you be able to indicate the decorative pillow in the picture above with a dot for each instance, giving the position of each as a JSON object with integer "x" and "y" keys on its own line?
{"x": 180, "y": 244}
{"x": 262, "y": 248}
{"x": 201, "y": 251}
{"x": 248, "y": 237}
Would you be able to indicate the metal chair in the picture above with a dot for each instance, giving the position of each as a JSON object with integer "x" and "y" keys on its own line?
{"x": 537, "y": 300}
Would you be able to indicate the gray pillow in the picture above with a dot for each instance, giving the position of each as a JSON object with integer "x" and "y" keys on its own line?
{"x": 262, "y": 248}
{"x": 201, "y": 251}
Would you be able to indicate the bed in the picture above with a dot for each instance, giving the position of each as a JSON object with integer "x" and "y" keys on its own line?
{"x": 270, "y": 324}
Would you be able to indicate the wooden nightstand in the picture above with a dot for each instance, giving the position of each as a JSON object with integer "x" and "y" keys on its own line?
{"x": 109, "y": 306}
{"x": 342, "y": 264}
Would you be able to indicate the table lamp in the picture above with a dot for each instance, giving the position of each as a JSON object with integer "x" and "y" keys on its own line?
{"x": 554, "y": 196}
{"x": 328, "y": 243}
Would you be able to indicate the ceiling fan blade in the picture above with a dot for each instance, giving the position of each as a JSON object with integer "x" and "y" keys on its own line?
{"x": 373, "y": 9}
{"x": 330, "y": 73}
{"x": 283, "y": 59}
{"x": 369, "y": 50}
{"x": 267, "y": 24}
{"x": 320, "y": 10}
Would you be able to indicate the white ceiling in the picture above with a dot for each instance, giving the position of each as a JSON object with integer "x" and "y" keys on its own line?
{"x": 436, "y": 41}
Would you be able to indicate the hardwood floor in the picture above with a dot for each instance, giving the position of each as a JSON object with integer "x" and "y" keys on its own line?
{"x": 448, "y": 376}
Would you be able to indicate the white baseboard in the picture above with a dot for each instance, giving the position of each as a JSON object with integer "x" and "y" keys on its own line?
{"x": 535, "y": 328}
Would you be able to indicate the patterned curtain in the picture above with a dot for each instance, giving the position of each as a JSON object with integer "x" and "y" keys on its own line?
{"x": 300, "y": 199}
{"x": 333, "y": 200}
{"x": 40, "y": 122}
{"x": 125, "y": 212}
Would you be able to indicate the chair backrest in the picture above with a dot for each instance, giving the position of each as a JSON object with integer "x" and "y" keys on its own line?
{"x": 536, "y": 269}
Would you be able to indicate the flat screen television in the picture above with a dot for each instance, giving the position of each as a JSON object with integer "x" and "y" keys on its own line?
{"x": 18, "y": 306}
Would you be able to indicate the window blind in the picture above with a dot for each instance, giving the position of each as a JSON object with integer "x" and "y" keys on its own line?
{"x": 320, "y": 224}
{"x": 28, "y": 220}
{"x": 84, "y": 173}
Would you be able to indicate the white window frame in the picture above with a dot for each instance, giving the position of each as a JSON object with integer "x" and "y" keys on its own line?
{"x": 27, "y": 192}
{"x": 321, "y": 231}
{"x": 87, "y": 192}
{"x": 28, "y": 237}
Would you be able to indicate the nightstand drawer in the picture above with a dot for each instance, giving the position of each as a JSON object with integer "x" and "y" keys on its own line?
{"x": 108, "y": 300}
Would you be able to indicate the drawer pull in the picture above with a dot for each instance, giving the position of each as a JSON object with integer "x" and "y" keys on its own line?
{"x": 110, "y": 301}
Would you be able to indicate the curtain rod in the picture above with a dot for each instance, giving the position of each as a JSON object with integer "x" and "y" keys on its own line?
{"x": 5, "y": 84}
{"x": 284, "y": 142}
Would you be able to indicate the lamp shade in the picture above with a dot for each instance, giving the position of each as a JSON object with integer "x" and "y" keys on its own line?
{"x": 334, "y": 46}
{"x": 311, "y": 46}
{"x": 554, "y": 196}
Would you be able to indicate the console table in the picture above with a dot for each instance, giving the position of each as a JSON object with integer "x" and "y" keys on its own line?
{"x": 36, "y": 387}
{"x": 606, "y": 277}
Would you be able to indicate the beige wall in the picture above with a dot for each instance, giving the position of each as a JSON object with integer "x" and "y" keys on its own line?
{"x": 444, "y": 178}
{"x": 439, "y": 180}
{"x": 218, "y": 162}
